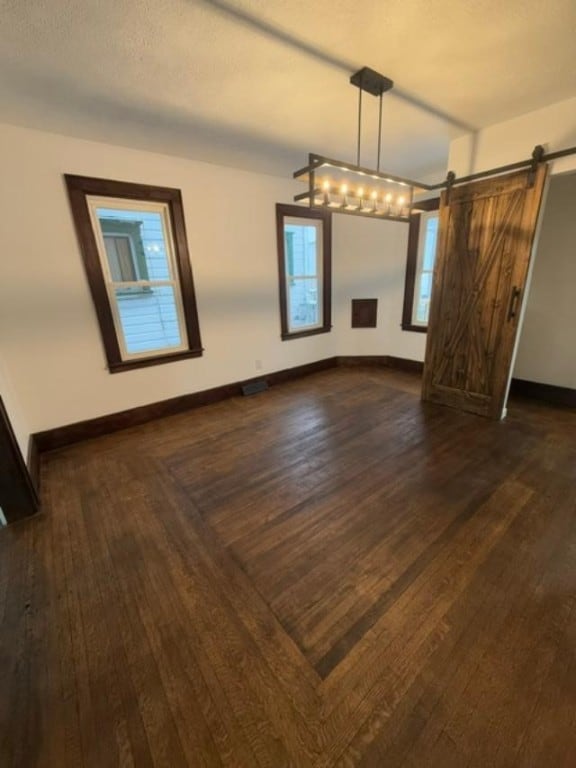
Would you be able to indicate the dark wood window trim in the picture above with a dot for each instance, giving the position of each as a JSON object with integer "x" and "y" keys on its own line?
{"x": 282, "y": 211}
{"x": 81, "y": 186}
{"x": 412, "y": 265}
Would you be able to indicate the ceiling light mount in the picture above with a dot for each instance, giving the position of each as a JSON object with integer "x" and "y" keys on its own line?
{"x": 371, "y": 81}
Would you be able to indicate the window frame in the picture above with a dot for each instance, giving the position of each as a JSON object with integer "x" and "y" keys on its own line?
{"x": 407, "y": 324}
{"x": 79, "y": 189}
{"x": 284, "y": 211}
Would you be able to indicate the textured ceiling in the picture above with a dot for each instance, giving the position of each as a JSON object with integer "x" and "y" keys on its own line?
{"x": 260, "y": 83}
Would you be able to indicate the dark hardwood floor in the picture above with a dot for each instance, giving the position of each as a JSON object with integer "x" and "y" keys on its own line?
{"x": 329, "y": 573}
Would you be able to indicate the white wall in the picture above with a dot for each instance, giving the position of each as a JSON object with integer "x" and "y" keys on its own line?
{"x": 547, "y": 349}
{"x": 513, "y": 140}
{"x": 54, "y": 365}
{"x": 370, "y": 263}
{"x": 48, "y": 330}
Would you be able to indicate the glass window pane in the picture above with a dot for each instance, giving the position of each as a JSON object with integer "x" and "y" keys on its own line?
{"x": 301, "y": 249}
{"x": 289, "y": 251}
{"x": 303, "y": 306}
{"x": 148, "y": 318}
{"x": 422, "y": 309}
{"x": 143, "y": 233}
{"x": 426, "y": 285}
{"x": 430, "y": 238}
{"x": 423, "y": 297}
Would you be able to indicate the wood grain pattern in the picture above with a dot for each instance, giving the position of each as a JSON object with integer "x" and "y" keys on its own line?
{"x": 487, "y": 230}
{"x": 68, "y": 434}
{"x": 58, "y": 437}
{"x": 333, "y": 573}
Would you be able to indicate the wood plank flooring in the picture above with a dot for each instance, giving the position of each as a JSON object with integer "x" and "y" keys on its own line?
{"x": 327, "y": 574}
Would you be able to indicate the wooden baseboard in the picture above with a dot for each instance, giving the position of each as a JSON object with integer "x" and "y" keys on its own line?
{"x": 387, "y": 361}
{"x": 548, "y": 393}
{"x": 357, "y": 360}
{"x": 59, "y": 437}
{"x": 34, "y": 463}
{"x": 403, "y": 364}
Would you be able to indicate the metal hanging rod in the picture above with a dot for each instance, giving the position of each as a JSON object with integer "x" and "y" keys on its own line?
{"x": 372, "y": 82}
{"x": 359, "y": 125}
{"x": 538, "y": 156}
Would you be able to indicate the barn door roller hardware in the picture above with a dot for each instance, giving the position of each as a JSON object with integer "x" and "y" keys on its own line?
{"x": 538, "y": 156}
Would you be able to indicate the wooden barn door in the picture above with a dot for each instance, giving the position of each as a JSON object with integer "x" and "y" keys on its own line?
{"x": 487, "y": 232}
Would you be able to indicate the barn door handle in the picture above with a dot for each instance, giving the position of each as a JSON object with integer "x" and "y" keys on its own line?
{"x": 513, "y": 308}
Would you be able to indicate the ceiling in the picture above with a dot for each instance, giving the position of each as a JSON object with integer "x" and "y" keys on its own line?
{"x": 260, "y": 83}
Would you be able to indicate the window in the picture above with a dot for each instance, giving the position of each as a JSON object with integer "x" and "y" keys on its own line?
{"x": 422, "y": 242}
{"x": 304, "y": 268}
{"x": 133, "y": 243}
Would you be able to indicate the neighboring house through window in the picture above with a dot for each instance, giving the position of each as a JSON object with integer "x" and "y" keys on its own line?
{"x": 124, "y": 244}
{"x": 422, "y": 244}
{"x": 133, "y": 242}
{"x": 304, "y": 269}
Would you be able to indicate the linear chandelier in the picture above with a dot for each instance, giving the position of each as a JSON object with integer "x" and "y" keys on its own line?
{"x": 351, "y": 188}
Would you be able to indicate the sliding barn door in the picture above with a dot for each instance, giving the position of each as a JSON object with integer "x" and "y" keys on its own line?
{"x": 487, "y": 231}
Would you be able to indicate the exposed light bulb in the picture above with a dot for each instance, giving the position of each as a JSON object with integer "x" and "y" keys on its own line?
{"x": 344, "y": 188}
{"x": 374, "y": 195}
{"x": 360, "y": 192}
{"x": 326, "y": 195}
{"x": 388, "y": 197}
{"x": 400, "y": 201}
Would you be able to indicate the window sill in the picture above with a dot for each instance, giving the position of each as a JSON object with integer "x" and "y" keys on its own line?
{"x": 301, "y": 334}
{"x": 415, "y": 328}
{"x": 146, "y": 362}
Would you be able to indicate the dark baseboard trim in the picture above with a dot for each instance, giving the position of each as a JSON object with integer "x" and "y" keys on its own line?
{"x": 59, "y": 437}
{"x": 548, "y": 393}
{"x": 34, "y": 463}
{"x": 387, "y": 361}
{"x": 356, "y": 360}
{"x": 289, "y": 374}
{"x": 403, "y": 364}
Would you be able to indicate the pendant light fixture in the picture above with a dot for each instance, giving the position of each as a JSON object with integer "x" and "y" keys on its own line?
{"x": 342, "y": 187}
